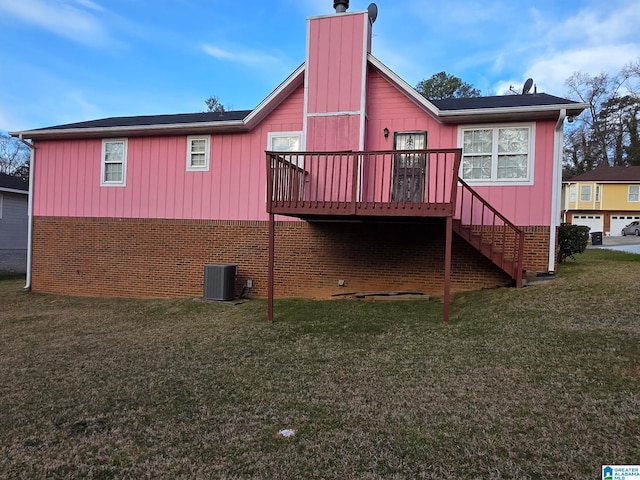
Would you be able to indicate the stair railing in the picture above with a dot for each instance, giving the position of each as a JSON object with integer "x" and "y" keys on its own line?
{"x": 481, "y": 220}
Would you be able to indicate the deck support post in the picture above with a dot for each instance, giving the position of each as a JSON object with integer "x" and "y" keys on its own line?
{"x": 270, "y": 286}
{"x": 447, "y": 270}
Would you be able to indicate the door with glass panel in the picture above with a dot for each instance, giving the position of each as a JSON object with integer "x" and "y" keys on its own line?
{"x": 409, "y": 169}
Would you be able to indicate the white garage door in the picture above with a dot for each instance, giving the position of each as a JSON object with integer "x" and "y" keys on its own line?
{"x": 620, "y": 221}
{"x": 594, "y": 222}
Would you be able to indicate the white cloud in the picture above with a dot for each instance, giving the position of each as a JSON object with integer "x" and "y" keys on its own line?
{"x": 598, "y": 27}
{"x": 592, "y": 41}
{"x": 553, "y": 70}
{"x": 73, "y": 19}
{"x": 250, "y": 59}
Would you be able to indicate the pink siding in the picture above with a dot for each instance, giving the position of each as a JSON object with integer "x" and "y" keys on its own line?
{"x": 388, "y": 108}
{"x": 522, "y": 205}
{"x": 336, "y": 52}
{"x": 335, "y": 133}
{"x": 67, "y": 175}
{"x": 529, "y": 204}
{"x": 336, "y": 55}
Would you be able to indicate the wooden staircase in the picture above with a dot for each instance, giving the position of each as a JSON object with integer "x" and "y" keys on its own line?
{"x": 489, "y": 232}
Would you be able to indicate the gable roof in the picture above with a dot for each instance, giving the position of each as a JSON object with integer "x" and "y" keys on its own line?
{"x": 609, "y": 175}
{"x": 148, "y": 120}
{"x": 9, "y": 183}
{"x": 502, "y": 108}
{"x": 501, "y": 101}
{"x": 456, "y": 110}
{"x": 533, "y": 106}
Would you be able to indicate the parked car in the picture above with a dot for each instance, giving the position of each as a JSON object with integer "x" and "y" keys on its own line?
{"x": 632, "y": 229}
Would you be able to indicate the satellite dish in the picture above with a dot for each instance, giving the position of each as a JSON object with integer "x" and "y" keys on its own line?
{"x": 372, "y": 10}
{"x": 527, "y": 86}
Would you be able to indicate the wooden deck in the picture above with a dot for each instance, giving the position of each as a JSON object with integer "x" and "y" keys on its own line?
{"x": 410, "y": 183}
{"x": 386, "y": 185}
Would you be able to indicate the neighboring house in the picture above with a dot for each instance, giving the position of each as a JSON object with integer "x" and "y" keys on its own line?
{"x": 138, "y": 205}
{"x": 14, "y": 199}
{"x": 605, "y": 199}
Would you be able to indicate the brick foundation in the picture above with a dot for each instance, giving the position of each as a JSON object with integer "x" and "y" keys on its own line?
{"x": 536, "y": 250}
{"x": 166, "y": 258}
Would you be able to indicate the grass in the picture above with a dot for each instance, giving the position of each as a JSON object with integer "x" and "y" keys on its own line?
{"x": 541, "y": 382}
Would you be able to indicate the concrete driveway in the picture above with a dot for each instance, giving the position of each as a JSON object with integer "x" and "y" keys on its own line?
{"x": 630, "y": 244}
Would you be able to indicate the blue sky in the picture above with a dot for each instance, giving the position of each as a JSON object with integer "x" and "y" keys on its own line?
{"x": 65, "y": 61}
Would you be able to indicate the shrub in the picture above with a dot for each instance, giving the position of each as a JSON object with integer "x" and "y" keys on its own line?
{"x": 572, "y": 239}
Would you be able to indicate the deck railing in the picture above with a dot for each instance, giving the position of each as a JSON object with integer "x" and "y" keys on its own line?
{"x": 377, "y": 183}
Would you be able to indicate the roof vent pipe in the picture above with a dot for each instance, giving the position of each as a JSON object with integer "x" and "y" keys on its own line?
{"x": 341, "y": 6}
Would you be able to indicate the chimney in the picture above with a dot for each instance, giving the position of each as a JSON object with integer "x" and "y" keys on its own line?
{"x": 336, "y": 80}
{"x": 341, "y": 6}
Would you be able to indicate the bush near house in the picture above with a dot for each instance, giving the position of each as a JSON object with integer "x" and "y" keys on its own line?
{"x": 572, "y": 239}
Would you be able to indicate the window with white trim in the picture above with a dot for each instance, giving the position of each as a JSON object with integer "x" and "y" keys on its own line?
{"x": 634, "y": 193}
{"x": 585, "y": 193}
{"x": 287, "y": 142}
{"x": 597, "y": 193}
{"x": 500, "y": 154}
{"x": 572, "y": 193}
{"x": 198, "y": 153}
{"x": 114, "y": 163}
{"x": 284, "y": 141}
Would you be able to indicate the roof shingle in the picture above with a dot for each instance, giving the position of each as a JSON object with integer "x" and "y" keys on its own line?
{"x": 174, "y": 119}
{"x": 501, "y": 101}
{"x": 609, "y": 174}
{"x": 13, "y": 183}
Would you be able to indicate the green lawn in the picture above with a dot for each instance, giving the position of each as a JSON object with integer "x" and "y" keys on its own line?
{"x": 541, "y": 382}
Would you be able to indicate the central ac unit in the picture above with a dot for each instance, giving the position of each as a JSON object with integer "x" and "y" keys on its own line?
{"x": 220, "y": 282}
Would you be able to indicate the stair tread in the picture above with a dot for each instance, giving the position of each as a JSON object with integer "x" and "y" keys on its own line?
{"x": 483, "y": 242}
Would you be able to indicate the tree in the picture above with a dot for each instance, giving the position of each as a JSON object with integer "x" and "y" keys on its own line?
{"x": 14, "y": 156}
{"x": 214, "y": 105}
{"x": 607, "y": 134}
{"x": 442, "y": 85}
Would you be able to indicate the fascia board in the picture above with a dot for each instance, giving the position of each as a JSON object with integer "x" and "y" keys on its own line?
{"x": 612, "y": 182}
{"x": 137, "y": 130}
{"x": 13, "y": 190}
{"x": 530, "y": 109}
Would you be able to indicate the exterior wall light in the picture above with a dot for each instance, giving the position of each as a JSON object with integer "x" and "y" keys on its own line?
{"x": 386, "y": 132}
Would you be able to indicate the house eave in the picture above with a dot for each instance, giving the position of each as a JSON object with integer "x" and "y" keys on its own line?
{"x": 507, "y": 114}
{"x": 616, "y": 182}
{"x": 478, "y": 115}
{"x": 13, "y": 190}
{"x": 133, "y": 131}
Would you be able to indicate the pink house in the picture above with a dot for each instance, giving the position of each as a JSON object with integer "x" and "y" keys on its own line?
{"x": 343, "y": 179}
